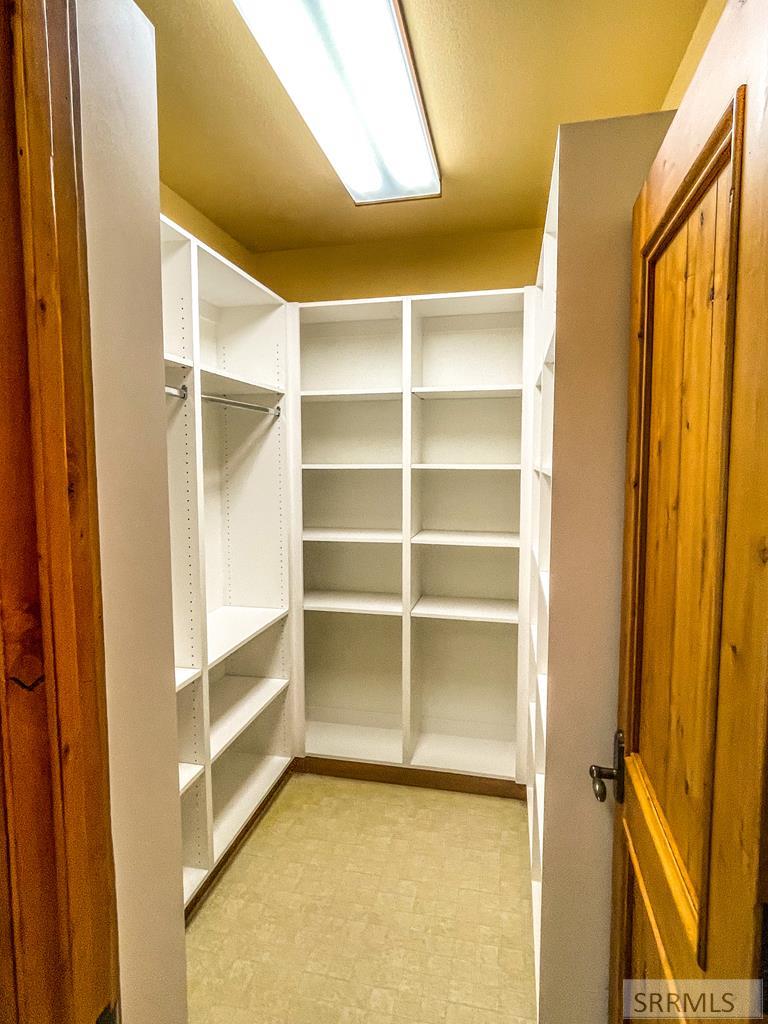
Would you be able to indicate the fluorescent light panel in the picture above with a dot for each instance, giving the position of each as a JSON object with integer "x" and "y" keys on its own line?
{"x": 345, "y": 65}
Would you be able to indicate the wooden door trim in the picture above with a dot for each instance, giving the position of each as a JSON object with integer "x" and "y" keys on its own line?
{"x": 61, "y": 844}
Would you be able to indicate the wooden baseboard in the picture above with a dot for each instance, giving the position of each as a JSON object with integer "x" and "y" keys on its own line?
{"x": 362, "y": 771}
{"x": 399, "y": 775}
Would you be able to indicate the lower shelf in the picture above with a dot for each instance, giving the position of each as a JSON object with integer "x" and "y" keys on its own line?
{"x": 354, "y": 742}
{"x": 240, "y": 783}
{"x": 193, "y": 879}
{"x": 494, "y": 758}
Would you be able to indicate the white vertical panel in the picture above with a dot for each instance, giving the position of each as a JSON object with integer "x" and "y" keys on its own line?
{"x": 602, "y": 165}
{"x": 122, "y": 206}
{"x": 292, "y": 412}
{"x": 408, "y": 723}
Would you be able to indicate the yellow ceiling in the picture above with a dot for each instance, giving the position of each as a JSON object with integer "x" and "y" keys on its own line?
{"x": 498, "y": 76}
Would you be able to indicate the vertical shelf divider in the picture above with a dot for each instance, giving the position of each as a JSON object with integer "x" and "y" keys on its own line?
{"x": 292, "y": 411}
{"x": 199, "y": 474}
{"x": 408, "y": 724}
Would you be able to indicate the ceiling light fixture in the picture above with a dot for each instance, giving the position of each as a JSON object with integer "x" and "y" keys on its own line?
{"x": 347, "y": 67}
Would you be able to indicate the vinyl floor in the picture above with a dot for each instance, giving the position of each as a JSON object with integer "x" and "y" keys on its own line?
{"x": 365, "y": 903}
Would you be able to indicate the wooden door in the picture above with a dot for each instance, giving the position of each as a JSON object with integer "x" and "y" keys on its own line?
{"x": 687, "y": 891}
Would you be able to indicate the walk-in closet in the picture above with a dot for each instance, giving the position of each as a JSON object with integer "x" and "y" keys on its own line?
{"x": 360, "y": 284}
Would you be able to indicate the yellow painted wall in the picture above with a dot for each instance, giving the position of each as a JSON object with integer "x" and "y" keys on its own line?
{"x": 445, "y": 263}
{"x": 698, "y": 44}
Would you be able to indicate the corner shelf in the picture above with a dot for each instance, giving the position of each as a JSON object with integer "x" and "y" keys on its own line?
{"x": 231, "y": 627}
{"x": 351, "y": 602}
{"x": 467, "y": 609}
{"x": 236, "y": 702}
{"x": 467, "y": 538}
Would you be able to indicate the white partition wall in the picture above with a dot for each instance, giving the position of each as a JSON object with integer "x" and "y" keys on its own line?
{"x": 573, "y": 490}
{"x": 411, "y": 455}
{"x": 230, "y": 509}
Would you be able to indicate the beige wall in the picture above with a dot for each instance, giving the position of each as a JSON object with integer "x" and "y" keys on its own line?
{"x": 489, "y": 259}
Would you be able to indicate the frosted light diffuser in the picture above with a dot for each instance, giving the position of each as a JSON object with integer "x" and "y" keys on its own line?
{"x": 346, "y": 66}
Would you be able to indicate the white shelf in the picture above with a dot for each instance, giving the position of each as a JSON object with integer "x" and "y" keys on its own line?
{"x": 193, "y": 879}
{"x": 544, "y": 581}
{"x": 232, "y": 626}
{"x": 188, "y": 774}
{"x": 185, "y": 676}
{"x": 355, "y": 742}
{"x": 467, "y": 538}
{"x": 353, "y": 395}
{"x": 236, "y": 702}
{"x": 496, "y": 467}
{"x": 469, "y": 609}
{"x": 539, "y": 788}
{"x": 352, "y": 465}
{"x": 171, "y": 359}
{"x": 484, "y": 391}
{"x": 541, "y": 702}
{"x": 241, "y": 781}
{"x": 350, "y": 536}
{"x": 215, "y": 382}
{"x": 352, "y": 602}
{"x": 495, "y": 758}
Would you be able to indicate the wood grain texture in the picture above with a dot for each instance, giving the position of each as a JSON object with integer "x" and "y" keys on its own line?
{"x": 58, "y": 819}
{"x": 693, "y": 830}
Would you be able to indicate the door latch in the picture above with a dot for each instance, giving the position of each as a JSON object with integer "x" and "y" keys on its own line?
{"x": 600, "y": 775}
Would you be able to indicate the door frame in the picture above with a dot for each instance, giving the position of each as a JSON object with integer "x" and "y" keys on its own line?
{"x": 57, "y": 883}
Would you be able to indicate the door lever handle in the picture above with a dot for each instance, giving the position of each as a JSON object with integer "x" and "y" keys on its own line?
{"x": 600, "y": 774}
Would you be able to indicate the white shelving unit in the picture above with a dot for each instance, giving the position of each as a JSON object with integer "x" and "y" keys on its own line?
{"x": 572, "y": 512}
{"x": 411, "y": 456}
{"x": 226, "y": 336}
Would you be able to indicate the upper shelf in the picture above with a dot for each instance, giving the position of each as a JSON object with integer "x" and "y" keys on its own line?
{"x": 352, "y": 536}
{"x": 497, "y": 467}
{"x": 352, "y": 465}
{"x": 214, "y": 382}
{"x": 482, "y": 391}
{"x": 225, "y": 285}
{"x": 353, "y": 395}
{"x": 467, "y": 538}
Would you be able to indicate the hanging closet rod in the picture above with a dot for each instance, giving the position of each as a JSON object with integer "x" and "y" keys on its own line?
{"x": 177, "y": 392}
{"x": 242, "y": 405}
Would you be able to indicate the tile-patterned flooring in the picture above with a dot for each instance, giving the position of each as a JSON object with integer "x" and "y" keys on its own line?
{"x": 364, "y": 903}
